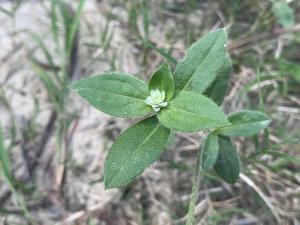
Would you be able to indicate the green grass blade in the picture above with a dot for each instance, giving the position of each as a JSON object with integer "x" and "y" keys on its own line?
{"x": 162, "y": 52}
{"x": 52, "y": 89}
{"x": 72, "y": 25}
{"x": 146, "y": 19}
{"x": 4, "y": 157}
{"x": 133, "y": 17}
{"x": 5, "y": 170}
{"x": 54, "y": 21}
{"x": 47, "y": 54}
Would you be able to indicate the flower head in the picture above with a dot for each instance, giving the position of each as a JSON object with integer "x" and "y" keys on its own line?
{"x": 156, "y": 99}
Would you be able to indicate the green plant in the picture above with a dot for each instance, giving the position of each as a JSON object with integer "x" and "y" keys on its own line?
{"x": 139, "y": 11}
{"x": 283, "y": 13}
{"x": 55, "y": 76}
{"x": 185, "y": 101}
{"x": 8, "y": 177}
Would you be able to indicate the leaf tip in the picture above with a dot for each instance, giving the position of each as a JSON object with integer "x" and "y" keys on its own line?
{"x": 107, "y": 183}
{"x": 107, "y": 186}
{"x": 233, "y": 181}
{"x": 221, "y": 31}
{"x": 72, "y": 86}
{"x": 224, "y": 29}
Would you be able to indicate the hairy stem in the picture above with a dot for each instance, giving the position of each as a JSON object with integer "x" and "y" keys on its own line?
{"x": 195, "y": 190}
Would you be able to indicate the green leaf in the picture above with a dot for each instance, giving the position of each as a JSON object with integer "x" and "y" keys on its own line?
{"x": 133, "y": 151}
{"x": 245, "y": 123}
{"x": 203, "y": 60}
{"x": 284, "y": 13}
{"x": 217, "y": 90}
{"x": 162, "y": 80}
{"x": 5, "y": 167}
{"x": 289, "y": 68}
{"x": 191, "y": 111}
{"x": 227, "y": 165}
{"x": 116, "y": 94}
{"x": 209, "y": 152}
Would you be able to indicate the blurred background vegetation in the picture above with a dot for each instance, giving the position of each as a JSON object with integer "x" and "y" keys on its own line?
{"x": 53, "y": 145}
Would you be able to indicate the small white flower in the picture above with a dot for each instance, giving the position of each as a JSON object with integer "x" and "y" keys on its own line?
{"x": 156, "y": 99}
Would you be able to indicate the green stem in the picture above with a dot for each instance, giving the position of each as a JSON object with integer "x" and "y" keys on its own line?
{"x": 195, "y": 189}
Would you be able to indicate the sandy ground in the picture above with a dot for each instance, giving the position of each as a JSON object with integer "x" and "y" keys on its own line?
{"x": 71, "y": 192}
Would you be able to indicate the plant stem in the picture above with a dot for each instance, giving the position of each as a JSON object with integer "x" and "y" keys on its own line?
{"x": 195, "y": 190}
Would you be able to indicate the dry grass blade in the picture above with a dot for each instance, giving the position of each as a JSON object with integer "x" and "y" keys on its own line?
{"x": 272, "y": 208}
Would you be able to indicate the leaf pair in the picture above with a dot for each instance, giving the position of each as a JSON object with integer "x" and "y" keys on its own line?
{"x": 219, "y": 153}
{"x": 179, "y": 102}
